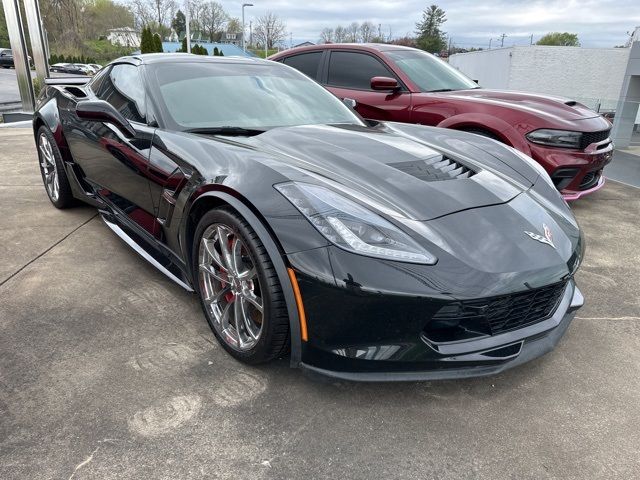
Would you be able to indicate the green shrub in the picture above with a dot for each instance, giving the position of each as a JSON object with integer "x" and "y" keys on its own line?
{"x": 157, "y": 41}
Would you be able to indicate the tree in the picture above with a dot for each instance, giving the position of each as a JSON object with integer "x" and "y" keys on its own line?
{"x": 216, "y": 52}
{"x": 326, "y": 35}
{"x": 147, "y": 11}
{"x": 430, "y": 36}
{"x": 199, "y": 50}
{"x": 564, "y": 39}
{"x": 101, "y": 15}
{"x": 405, "y": 41}
{"x": 353, "y": 32}
{"x": 179, "y": 23}
{"x": 367, "y": 31}
{"x": 270, "y": 30}
{"x": 196, "y": 15}
{"x": 340, "y": 34}
{"x": 234, "y": 25}
{"x": 146, "y": 41}
{"x": 183, "y": 47}
{"x": 157, "y": 43}
{"x": 4, "y": 34}
{"x": 213, "y": 19}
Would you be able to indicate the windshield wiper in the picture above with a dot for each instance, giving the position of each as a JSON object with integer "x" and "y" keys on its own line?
{"x": 440, "y": 90}
{"x": 228, "y": 131}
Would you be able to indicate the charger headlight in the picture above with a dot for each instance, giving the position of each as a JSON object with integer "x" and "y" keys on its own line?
{"x": 352, "y": 226}
{"x": 555, "y": 138}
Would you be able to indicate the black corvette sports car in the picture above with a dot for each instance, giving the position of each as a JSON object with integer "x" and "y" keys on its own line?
{"x": 368, "y": 250}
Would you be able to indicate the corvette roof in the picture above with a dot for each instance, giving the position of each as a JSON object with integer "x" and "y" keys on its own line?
{"x": 155, "y": 58}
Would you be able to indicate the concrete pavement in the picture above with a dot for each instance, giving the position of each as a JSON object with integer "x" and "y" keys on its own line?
{"x": 108, "y": 370}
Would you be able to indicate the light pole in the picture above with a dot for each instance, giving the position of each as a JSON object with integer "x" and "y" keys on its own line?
{"x": 188, "y": 30}
{"x": 244, "y": 48}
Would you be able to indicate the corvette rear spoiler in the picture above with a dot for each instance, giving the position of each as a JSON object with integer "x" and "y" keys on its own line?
{"x": 75, "y": 80}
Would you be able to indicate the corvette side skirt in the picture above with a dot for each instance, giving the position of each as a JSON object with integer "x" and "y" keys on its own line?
{"x": 144, "y": 254}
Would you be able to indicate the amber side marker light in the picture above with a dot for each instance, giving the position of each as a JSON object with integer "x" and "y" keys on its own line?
{"x": 301, "y": 315}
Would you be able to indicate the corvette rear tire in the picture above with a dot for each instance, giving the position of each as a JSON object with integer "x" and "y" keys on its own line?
{"x": 52, "y": 170}
{"x": 239, "y": 289}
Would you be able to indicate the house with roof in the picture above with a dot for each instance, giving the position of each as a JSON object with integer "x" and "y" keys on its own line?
{"x": 124, "y": 37}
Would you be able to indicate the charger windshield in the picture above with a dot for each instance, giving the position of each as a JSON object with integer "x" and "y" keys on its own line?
{"x": 430, "y": 73}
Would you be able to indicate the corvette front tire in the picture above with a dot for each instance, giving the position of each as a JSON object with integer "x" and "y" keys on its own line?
{"x": 239, "y": 289}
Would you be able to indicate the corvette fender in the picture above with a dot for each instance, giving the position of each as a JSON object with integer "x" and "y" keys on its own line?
{"x": 48, "y": 114}
{"x": 278, "y": 263}
{"x": 490, "y": 123}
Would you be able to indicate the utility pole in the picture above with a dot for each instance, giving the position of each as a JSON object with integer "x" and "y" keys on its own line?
{"x": 502, "y": 39}
{"x": 244, "y": 48}
{"x": 531, "y": 41}
{"x": 188, "y": 21}
{"x": 266, "y": 41}
{"x": 380, "y": 32}
{"x": 490, "y": 43}
{"x": 250, "y": 33}
{"x": 449, "y": 49}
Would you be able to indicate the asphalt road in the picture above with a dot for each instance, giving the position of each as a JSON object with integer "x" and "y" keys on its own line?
{"x": 9, "y": 93}
{"x": 108, "y": 370}
{"x": 8, "y": 86}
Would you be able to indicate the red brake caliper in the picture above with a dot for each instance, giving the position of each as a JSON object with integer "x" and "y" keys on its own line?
{"x": 229, "y": 295}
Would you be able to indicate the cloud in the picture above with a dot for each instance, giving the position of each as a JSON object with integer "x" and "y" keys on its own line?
{"x": 469, "y": 23}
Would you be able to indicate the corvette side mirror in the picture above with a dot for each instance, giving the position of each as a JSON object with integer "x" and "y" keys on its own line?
{"x": 101, "y": 111}
{"x": 350, "y": 102}
{"x": 384, "y": 83}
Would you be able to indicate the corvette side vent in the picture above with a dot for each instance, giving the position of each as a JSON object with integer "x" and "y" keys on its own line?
{"x": 434, "y": 169}
{"x": 76, "y": 92}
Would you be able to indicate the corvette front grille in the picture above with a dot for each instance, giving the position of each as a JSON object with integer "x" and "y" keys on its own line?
{"x": 435, "y": 168}
{"x": 493, "y": 315}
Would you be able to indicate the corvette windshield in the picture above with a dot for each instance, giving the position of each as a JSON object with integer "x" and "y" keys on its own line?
{"x": 251, "y": 96}
{"x": 430, "y": 73}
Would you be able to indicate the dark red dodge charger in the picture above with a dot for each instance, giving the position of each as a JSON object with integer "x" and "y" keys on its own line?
{"x": 395, "y": 83}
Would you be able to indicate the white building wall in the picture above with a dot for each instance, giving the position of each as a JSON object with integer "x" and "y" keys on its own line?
{"x": 490, "y": 68}
{"x": 588, "y": 75}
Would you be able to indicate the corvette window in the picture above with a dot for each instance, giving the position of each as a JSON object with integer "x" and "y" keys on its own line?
{"x": 96, "y": 82}
{"x": 307, "y": 63}
{"x": 355, "y": 70}
{"x": 203, "y": 95}
{"x": 123, "y": 89}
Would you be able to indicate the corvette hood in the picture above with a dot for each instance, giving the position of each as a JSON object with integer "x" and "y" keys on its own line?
{"x": 539, "y": 105}
{"x": 403, "y": 174}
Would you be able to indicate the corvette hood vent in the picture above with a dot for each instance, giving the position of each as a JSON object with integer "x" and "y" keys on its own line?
{"x": 434, "y": 169}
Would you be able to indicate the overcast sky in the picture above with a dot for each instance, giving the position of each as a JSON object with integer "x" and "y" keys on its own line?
{"x": 470, "y": 23}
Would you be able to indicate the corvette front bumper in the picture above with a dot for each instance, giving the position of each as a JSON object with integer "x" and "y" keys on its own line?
{"x": 370, "y": 335}
{"x": 525, "y": 345}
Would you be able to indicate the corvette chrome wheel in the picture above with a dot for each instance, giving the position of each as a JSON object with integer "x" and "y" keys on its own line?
{"x": 230, "y": 287}
{"x": 49, "y": 167}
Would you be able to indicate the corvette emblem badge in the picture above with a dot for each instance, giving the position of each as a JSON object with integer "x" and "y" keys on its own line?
{"x": 546, "y": 238}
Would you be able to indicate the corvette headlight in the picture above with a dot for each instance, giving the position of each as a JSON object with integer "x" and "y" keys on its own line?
{"x": 555, "y": 138}
{"x": 351, "y": 226}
